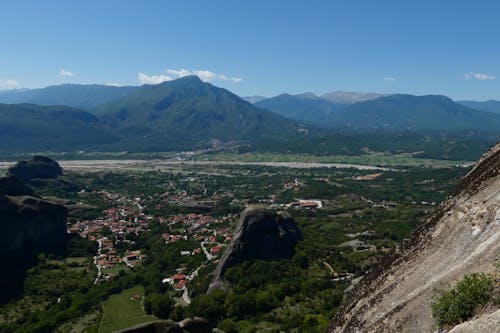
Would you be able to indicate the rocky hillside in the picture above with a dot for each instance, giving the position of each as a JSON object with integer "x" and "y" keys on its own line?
{"x": 460, "y": 238}
{"x": 260, "y": 234}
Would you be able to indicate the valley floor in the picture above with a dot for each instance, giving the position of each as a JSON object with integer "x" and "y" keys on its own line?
{"x": 162, "y": 225}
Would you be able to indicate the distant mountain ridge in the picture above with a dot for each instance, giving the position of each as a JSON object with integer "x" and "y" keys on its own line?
{"x": 347, "y": 97}
{"x": 393, "y": 113}
{"x": 303, "y": 107}
{"x": 254, "y": 99}
{"x": 489, "y": 106}
{"x": 424, "y": 114}
{"x": 188, "y": 114}
{"x": 76, "y": 95}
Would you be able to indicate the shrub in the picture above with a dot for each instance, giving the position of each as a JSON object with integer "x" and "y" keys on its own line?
{"x": 458, "y": 304}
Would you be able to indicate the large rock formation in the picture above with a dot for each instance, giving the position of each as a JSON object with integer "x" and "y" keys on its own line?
{"x": 260, "y": 234}
{"x": 28, "y": 225}
{"x": 40, "y": 167}
{"x": 43, "y": 172}
{"x": 461, "y": 237}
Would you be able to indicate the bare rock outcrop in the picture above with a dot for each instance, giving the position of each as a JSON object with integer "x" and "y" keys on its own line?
{"x": 460, "y": 238}
{"x": 260, "y": 234}
{"x": 486, "y": 323}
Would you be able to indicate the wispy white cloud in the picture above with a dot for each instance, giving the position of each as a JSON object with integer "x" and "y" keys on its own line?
{"x": 170, "y": 74}
{"x": 179, "y": 73}
{"x": 65, "y": 72}
{"x": 9, "y": 84}
{"x": 227, "y": 78}
{"x": 478, "y": 76}
{"x": 205, "y": 75}
{"x": 389, "y": 78}
{"x": 153, "y": 79}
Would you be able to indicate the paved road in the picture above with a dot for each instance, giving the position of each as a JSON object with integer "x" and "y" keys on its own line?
{"x": 99, "y": 272}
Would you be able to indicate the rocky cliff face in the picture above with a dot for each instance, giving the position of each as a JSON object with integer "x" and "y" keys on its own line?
{"x": 29, "y": 224}
{"x": 460, "y": 238}
{"x": 260, "y": 234}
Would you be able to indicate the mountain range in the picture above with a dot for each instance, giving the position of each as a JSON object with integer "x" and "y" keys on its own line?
{"x": 189, "y": 114}
{"x": 431, "y": 114}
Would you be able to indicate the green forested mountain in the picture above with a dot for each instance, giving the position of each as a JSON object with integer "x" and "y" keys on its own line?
{"x": 187, "y": 113}
{"x": 28, "y": 128}
{"x": 85, "y": 96}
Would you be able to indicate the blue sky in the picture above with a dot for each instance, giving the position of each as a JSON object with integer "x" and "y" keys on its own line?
{"x": 257, "y": 47}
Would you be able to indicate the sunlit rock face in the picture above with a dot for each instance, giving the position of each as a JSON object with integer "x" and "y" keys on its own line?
{"x": 260, "y": 234}
{"x": 460, "y": 238}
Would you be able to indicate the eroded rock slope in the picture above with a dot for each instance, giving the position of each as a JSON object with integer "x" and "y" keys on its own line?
{"x": 461, "y": 237}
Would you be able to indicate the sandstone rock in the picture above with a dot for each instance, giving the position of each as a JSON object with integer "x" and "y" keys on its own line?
{"x": 260, "y": 234}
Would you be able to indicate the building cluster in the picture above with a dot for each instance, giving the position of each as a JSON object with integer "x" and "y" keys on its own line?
{"x": 125, "y": 217}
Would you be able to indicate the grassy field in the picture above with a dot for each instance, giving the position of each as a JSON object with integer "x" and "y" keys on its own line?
{"x": 121, "y": 311}
{"x": 366, "y": 159}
